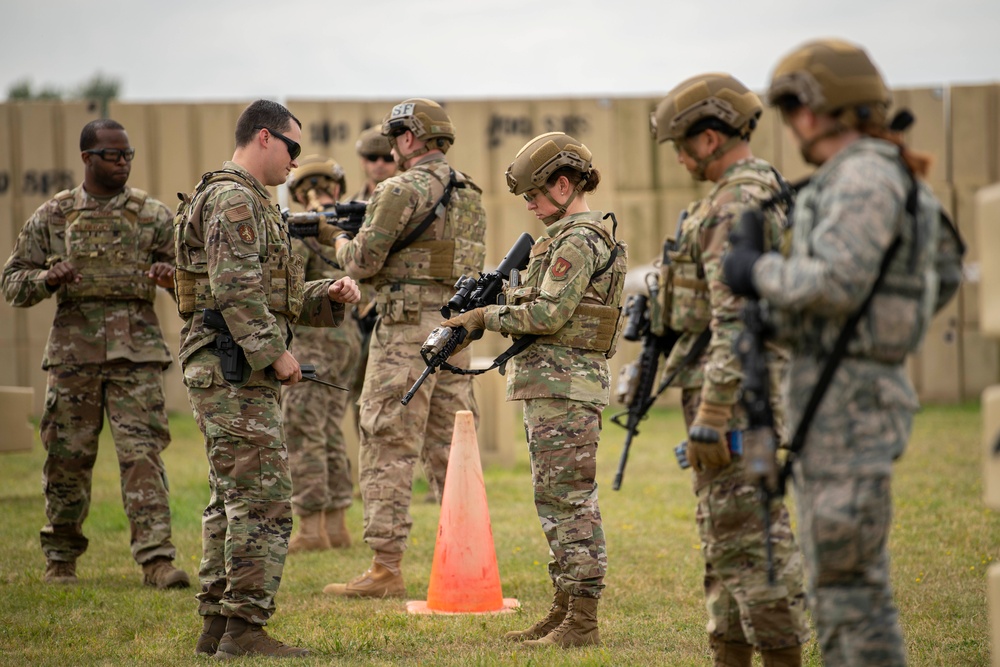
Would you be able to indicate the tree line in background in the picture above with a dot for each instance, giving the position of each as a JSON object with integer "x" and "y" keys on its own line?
{"x": 99, "y": 90}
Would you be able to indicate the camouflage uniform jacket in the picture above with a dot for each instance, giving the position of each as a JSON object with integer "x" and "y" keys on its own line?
{"x": 87, "y": 331}
{"x": 234, "y": 252}
{"x": 556, "y": 371}
{"x": 703, "y": 239}
{"x": 397, "y": 207}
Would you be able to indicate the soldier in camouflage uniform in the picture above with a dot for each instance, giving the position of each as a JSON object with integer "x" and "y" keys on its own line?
{"x": 835, "y": 102}
{"x": 312, "y": 413}
{"x": 570, "y": 299}
{"x": 102, "y": 249}
{"x": 234, "y": 256}
{"x": 424, "y": 228}
{"x": 709, "y": 119}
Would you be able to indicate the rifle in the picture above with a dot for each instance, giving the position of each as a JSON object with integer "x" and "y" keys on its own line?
{"x": 235, "y": 367}
{"x": 347, "y": 217}
{"x": 471, "y": 293}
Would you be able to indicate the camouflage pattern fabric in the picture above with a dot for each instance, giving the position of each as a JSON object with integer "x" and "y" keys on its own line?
{"x": 853, "y": 208}
{"x": 742, "y": 606}
{"x": 102, "y": 356}
{"x": 562, "y": 440}
{"x": 313, "y": 413}
{"x": 76, "y": 398}
{"x": 394, "y": 436}
{"x": 248, "y": 521}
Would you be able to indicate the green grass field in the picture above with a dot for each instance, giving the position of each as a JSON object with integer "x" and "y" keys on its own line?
{"x": 652, "y": 613}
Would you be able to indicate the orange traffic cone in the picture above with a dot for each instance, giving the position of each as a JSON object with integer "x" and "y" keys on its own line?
{"x": 464, "y": 575}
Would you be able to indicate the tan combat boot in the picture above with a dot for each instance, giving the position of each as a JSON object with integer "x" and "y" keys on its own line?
{"x": 384, "y": 579}
{"x": 336, "y": 528}
{"x": 557, "y": 612}
{"x": 243, "y": 638}
{"x": 731, "y": 654}
{"x": 60, "y": 572}
{"x": 783, "y": 657}
{"x": 212, "y": 629}
{"x": 579, "y": 628}
{"x": 311, "y": 535}
{"x": 160, "y": 572}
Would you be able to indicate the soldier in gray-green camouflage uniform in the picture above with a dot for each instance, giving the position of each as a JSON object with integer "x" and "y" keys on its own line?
{"x": 844, "y": 222}
{"x": 709, "y": 119}
{"x": 234, "y": 256}
{"x": 101, "y": 248}
{"x": 570, "y": 299}
{"x": 313, "y": 413}
{"x": 424, "y": 228}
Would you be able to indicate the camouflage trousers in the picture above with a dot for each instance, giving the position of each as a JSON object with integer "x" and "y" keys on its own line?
{"x": 562, "y": 439}
{"x": 394, "y": 436}
{"x": 312, "y": 415}
{"x": 742, "y": 605}
{"x": 76, "y": 398}
{"x": 844, "y": 506}
{"x": 248, "y": 520}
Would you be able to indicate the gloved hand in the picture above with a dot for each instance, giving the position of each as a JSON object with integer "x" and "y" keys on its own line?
{"x": 473, "y": 321}
{"x": 746, "y": 245}
{"x": 707, "y": 445}
{"x": 760, "y": 458}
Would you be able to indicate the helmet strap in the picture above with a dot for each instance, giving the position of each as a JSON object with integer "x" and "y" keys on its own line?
{"x": 561, "y": 208}
{"x": 404, "y": 158}
{"x": 806, "y": 148}
{"x": 702, "y": 165}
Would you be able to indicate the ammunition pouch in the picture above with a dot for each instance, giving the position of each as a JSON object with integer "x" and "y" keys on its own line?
{"x": 690, "y": 309}
{"x": 404, "y": 303}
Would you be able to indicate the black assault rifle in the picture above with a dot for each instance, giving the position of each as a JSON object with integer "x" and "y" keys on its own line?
{"x": 235, "y": 367}
{"x": 347, "y": 216}
{"x": 471, "y": 293}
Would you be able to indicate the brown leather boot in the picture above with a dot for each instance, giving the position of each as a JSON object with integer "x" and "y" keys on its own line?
{"x": 783, "y": 657}
{"x": 336, "y": 528}
{"x": 384, "y": 579}
{"x": 579, "y": 628}
{"x": 212, "y": 629}
{"x": 557, "y": 612}
{"x": 731, "y": 654}
{"x": 60, "y": 572}
{"x": 160, "y": 572}
{"x": 244, "y": 638}
{"x": 311, "y": 535}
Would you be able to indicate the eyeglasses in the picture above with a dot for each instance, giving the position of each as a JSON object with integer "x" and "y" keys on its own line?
{"x": 531, "y": 195}
{"x": 294, "y": 149}
{"x": 113, "y": 154}
{"x": 375, "y": 158}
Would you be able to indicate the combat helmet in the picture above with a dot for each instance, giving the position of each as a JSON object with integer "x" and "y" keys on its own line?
{"x": 373, "y": 142}
{"x": 701, "y": 101}
{"x": 541, "y": 157}
{"x": 315, "y": 172}
{"x": 831, "y": 77}
{"x": 428, "y": 122}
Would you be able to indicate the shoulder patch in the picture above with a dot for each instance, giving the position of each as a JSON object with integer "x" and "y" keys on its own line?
{"x": 237, "y": 213}
{"x": 560, "y": 268}
{"x": 247, "y": 233}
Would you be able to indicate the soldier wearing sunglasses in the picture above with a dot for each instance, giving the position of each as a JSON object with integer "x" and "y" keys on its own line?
{"x": 101, "y": 249}
{"x": 377, "y": 162}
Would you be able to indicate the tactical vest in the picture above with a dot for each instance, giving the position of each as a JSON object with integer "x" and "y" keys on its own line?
{"x": 283, "y": 275}
{"x": 895, "y": 322}
{"x": 684, "y": 290}
{"x": 451, "y": 247}
{"x": 103, "y": 245}
{"x": 596, "y": 324}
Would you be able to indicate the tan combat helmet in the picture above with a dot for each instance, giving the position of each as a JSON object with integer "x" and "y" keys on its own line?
{"x": 314, "y": 173}
{"x": 428, "y": 122}
{"x": 715, "y": 96}
{"x": 541, "y": 157}
{"x": 373, "y": 142}
{"x": 831, "y": 77}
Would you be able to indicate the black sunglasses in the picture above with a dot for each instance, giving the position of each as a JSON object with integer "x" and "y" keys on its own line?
{"x": 113, "y": 154}
{"x": 294, "y": 149}
{"x": 376, "y": 158}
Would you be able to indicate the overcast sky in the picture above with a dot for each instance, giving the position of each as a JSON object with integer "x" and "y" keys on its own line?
{"x": 181, "y": 50}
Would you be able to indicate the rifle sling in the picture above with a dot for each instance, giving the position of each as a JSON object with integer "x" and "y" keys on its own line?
{"x": 439, "y": 210}
{"x": 699, "y": 346}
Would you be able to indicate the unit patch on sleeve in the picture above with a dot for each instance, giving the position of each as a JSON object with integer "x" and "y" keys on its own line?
{"x": 246, "y": 232}
{"x": 560, "y": 268}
